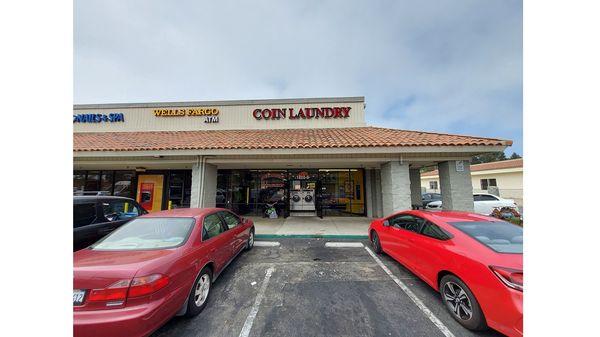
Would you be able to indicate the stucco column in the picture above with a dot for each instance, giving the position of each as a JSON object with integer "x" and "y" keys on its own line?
{"x": 204, "y": 185}
{"x": 415, "y": 187}
{"x": 455, "y": 185}
{"x": 395, "y": 187}
{"x": 369, "y": 192}
{"x": 377, "y": 197}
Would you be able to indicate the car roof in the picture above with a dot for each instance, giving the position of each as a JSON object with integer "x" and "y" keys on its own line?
{"x": 455, "y": 216}
{"x": 183, "y": 213}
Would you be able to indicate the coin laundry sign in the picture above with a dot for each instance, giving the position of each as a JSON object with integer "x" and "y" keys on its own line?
{"x": 302, "y": 113}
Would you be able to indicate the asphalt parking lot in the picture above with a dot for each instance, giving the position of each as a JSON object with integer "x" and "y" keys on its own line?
{"x": 304, "y": 288}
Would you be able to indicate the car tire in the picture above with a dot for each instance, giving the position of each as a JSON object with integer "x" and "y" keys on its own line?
{"x": 375, "y": 243}
{"x": 461, "y": 303}
{"x": 200, "y": 292}
{"x": 250, "y": 242}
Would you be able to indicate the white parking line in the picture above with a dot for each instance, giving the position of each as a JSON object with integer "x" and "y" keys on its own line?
{"x": 413, "y": 297}
{"x": 261, "y": 293}
{"x": 344, "y": 244}
{"x": 266, "y": 244}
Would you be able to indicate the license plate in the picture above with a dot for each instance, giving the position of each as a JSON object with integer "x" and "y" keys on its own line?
{"x": 78, "y": 296}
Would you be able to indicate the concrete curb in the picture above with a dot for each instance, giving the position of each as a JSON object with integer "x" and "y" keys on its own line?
{"x": 311, "y": 236}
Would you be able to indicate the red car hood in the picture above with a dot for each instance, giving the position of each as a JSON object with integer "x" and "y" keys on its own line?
{"x": 93, "y": 269}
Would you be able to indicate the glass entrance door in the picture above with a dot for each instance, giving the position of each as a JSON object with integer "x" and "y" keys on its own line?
{"x": 303, "y": 196}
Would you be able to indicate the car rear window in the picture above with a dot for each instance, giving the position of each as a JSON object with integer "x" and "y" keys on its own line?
{"x": 148, "y": 233}
{"x": 84, "y": 214}
{"x": 501, "y": 236}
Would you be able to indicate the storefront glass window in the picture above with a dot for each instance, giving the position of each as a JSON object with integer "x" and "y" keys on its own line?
{"x": 106, "y": 182}
{"x": 222, "y": 188}
{"x": 78, "y": 182}
{"x": 242, "y": 192}
{"x": 342, "y": 192}
{"x": 124, "y": 183}
{"x": 117, "y": 183}
{"x": 92, "y": 183}
{"x": 271, "y": 193}
{"x": 334, "y": 192}
{"x": 357, "y": 202}
{"x": 338, "y": 192}
{"x": 180, "y": 189}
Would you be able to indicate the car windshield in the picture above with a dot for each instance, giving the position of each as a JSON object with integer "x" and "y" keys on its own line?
{"x": 148, "y": 233}
{"x": 501, "y": 236}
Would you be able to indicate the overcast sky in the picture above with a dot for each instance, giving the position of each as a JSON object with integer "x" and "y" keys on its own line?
{"x": 445, "y": 66}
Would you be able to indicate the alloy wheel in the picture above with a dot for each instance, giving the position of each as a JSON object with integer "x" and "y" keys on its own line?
{"x": 202, "y": 289}
{"x": 251, "y": 240}
{"x": 375, "y": 242}
{"x": 457, "y": 301}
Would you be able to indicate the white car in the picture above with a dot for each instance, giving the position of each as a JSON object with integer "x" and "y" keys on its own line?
{"x": 484, "y": 203}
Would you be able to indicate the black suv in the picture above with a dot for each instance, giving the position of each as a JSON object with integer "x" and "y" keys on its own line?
{"x": 96, "y": 216}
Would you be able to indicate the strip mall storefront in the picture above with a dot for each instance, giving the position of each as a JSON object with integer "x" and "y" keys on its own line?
{"x": 278, "y": 158}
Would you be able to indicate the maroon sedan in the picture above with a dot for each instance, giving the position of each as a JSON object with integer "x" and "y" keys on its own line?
{"x": 154, "y": 267}
{"x": 474, "y": 261}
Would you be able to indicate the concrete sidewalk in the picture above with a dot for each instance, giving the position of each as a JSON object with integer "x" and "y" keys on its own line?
{"x": 312, "y": 226}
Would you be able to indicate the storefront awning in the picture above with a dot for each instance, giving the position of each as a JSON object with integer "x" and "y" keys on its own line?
{"x": 356, "y": 137}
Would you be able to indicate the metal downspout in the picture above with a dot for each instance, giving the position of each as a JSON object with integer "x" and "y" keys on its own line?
{"x": 201, "y": 162}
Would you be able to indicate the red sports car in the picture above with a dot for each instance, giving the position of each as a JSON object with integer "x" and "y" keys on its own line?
{"x": 474, "y": 261}
{"x": 154, "y": 267}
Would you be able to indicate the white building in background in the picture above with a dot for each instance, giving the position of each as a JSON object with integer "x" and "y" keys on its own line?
{"x": 507, "y": 175}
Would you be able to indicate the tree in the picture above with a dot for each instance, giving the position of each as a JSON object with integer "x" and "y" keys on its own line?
{"x": 493, "y": 156}
{"x": 488, "y": 157}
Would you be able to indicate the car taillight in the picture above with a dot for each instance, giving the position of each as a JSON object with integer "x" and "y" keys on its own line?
{"x": 118, "y": 292}
{"x": 114, "y": 293}
{"x": 513, "y": 278}
{"x": 146, "y": 285}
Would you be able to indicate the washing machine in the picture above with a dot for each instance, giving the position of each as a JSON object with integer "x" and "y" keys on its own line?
{"x": 308, "y": 198}
{"x": 296, "y": 201}
{"x": 302, "y": 200}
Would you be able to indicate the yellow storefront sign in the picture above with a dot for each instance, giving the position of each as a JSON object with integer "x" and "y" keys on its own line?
{"x": 186, "y": 112}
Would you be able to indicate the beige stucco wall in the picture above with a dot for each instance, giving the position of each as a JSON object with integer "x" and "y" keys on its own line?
{"x": 504, "y": 180}
{"x": 232, "y": 115}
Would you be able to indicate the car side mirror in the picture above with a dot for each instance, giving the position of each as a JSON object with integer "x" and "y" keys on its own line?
{"x": 386, "y": 223}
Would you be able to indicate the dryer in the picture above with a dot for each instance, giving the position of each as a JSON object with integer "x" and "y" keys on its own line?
{"x": 296, "y": 201}
{"x": 308, "y": 200}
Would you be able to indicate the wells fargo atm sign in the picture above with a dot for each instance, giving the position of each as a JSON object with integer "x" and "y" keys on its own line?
{"x": 211, "y": 115}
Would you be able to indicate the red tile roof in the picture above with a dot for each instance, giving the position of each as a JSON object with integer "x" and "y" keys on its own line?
{"x": 496, "y": 165}
{"x": 271, "y": 139}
